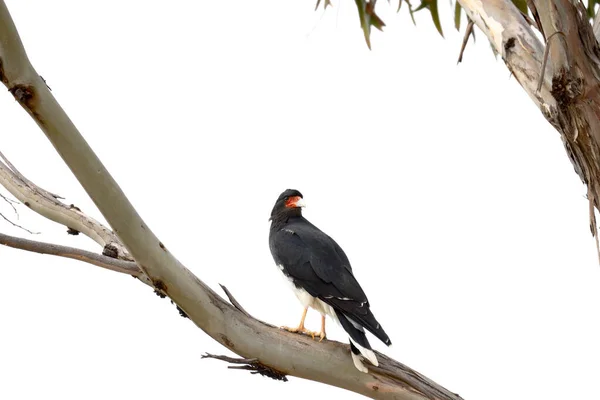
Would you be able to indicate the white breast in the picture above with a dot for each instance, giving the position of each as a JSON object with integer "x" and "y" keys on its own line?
{"x": 309, "y": 301}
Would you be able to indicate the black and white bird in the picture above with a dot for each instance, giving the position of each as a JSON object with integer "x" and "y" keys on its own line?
{"x": 321, "y": 277}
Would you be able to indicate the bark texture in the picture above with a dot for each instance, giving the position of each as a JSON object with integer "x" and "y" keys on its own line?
{"x": 49, "y": 205}
{"x": 569, "y": 94}
{"x": 268, "y": 348}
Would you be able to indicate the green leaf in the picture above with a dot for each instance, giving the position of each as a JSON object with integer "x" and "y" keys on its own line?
{"x": 591, "y": 8}
{"x": 368, "y": 18}
{"x": 521, "y": 5}
{"x": 411, "y": 11}
{"x": 424, "y": 4}
{"x": 436, "y": 16}
{"x": 325, "y": 4}
{"x": 431, "y": 5}
{"x": 457, "y": 13}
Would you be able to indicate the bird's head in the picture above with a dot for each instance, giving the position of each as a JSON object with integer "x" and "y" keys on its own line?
{"x": 288, "y": 204}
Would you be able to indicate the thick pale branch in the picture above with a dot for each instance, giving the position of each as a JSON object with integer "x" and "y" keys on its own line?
{"x": 512, "y": 38}
{"x": 575, "y": 57}
{"x": 113, "y": 264}
{"x": 328, "y": 362}
{"x": 48, "y": 205}
{"x": 22, "y": 177}
{"x": 596, "y": 26}
{"x": 551, "y": 24}
{"x": 567, "y": 90}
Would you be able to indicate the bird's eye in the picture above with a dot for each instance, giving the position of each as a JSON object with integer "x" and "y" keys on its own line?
{"x": 287, "y": 198}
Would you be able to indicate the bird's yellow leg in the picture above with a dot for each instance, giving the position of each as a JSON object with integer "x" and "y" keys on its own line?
{"x": 322, "y": 335}
{"x": 301, "y": 328}
{"x": 301, "y": 324}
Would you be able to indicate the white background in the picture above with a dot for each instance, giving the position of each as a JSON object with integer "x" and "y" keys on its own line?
{"x": 453, "y": 197}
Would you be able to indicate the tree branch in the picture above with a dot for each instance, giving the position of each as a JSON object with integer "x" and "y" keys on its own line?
{"x": 596, "y": 26}
{"x": 113, "y": 264}
{"x": 11, "y": 203}
{"x": 512, "y": 38}
{"x": 568, "y": 90}
{"x": 47, "y": 204}
{"x": 17, "y": 225}
{"x": 328, "y": 362}
{"x": 468, "y": 33}
{"x": 234, "y": 302}
{"x": 22, "y": 177}
{"x": 250, "y": 364}
{"x": 575, "y": 85}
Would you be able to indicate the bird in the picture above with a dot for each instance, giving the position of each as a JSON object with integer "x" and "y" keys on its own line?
{"x": 321, "y": 276}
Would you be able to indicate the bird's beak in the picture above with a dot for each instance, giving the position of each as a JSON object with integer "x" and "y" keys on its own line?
{"x": 300, "y": 202}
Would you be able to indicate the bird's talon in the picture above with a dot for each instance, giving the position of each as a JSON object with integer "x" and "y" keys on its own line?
{"x": 287, "y": 328}
{"x": 308, "y": 333}
{"x": 301, "y": 330}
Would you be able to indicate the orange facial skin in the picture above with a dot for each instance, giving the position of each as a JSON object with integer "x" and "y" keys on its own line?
{"x": 291, "y": 202}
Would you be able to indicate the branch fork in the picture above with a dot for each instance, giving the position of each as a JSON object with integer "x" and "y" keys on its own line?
{"x": 264, "y": 349}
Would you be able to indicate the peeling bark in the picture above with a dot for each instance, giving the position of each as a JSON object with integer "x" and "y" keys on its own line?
{"x": 569, "y": 94}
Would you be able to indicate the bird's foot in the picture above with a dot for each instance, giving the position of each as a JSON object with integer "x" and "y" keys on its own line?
{"x": 301, "y": 330}
{"x": 322, "y": 335}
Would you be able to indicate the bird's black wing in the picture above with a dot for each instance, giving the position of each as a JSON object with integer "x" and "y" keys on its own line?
{"x": 316, "y": 263}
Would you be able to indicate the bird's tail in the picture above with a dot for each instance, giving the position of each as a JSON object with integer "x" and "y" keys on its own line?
{"x": 370, "y": 323}
{"x": 359, "y": 344}
{"x": 358, "y": 353}
{"x": 365, "y": 320}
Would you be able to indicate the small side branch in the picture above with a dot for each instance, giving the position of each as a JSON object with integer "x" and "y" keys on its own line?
{"x": 113, "y": 264}
{"x": 11, "y": 203}
{"x": 468, "y": 33}
{"x": 17, "y": 225}
{"x": 511, "y": 36}
{"x": 233, "y": 301}
{"x": 250, "y": 364}
{"x": 546, "y": 52}
{"x": 48, "y": 205}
